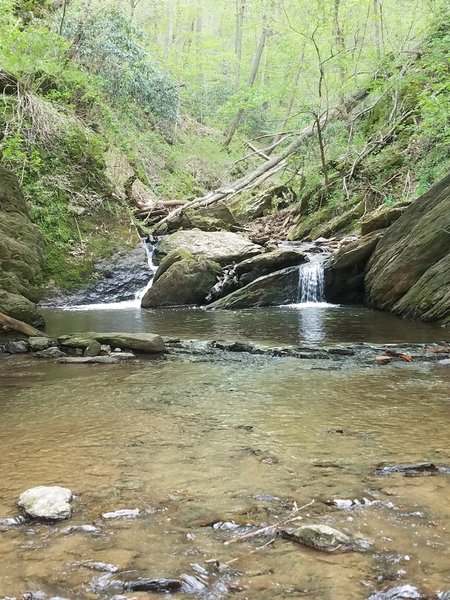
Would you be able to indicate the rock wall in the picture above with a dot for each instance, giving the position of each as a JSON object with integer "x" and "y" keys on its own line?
{"x": 21, "y": 254}
{"x": 409, "y": 272}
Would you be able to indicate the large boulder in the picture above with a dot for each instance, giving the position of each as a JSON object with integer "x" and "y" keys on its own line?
{"x": 344, "y": 271}
{"x": 21, "y": 254}
{"x": 275, "y": 289}
{"x": 263, "y": 264}
{"x": 223, "y": 247}
{"x": 408, "y": 274}
{"x": 49, "y": 503}
{"x": 148, "y": 343}
{"x": 183, "y": 279}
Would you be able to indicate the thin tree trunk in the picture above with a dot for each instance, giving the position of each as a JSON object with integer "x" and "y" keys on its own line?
{"x": 251, "y": 81}
{"x": 377, "y": 26}
{"x": 240, "y": 15}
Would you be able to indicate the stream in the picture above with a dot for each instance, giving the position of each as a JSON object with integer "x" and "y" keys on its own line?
{"x": 191, "y": 442}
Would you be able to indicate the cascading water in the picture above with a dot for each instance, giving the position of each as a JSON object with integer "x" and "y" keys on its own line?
{"x": 311, "y": 283}
{"x": 149, "y": 249}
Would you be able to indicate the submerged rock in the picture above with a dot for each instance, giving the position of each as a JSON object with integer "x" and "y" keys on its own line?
{"x": 411, "y": 469}
{"x": 275, "y": 289}
{"x": 47, "y": 502}
{"x": 124, "y": 513}
{"x": 89, "y": 360}
{"x": 319, "y": 537}
{"x": 401, "y": 592}
{"x": 162, "y": 586}
{"x": 222, "y": 247}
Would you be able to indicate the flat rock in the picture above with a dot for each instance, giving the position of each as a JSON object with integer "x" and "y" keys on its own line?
{"x": 47, "y": 502}
{"x": 411, "y": 469}
{"x": 222, "y": 247}
{"x": 148, "y": 343}
{"x": 89, "y": 360}
{"x": 319, "y": 537}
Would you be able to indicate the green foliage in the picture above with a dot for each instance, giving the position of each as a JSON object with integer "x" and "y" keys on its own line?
{"x": 107, "y": 45}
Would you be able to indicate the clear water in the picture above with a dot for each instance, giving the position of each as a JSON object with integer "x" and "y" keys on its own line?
{"x": 193, "y": 442}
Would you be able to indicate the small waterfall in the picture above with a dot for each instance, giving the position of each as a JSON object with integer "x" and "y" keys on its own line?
{"x": 149, "y": 249}
{"x": 311, "y": 283}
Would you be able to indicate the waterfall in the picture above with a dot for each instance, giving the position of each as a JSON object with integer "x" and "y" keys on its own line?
{"x": 311, "y": 283}
{"x": 149, "y": 249}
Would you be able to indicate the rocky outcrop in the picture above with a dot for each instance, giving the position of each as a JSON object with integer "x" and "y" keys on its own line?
{"x": 263, "y": 264}
{"x": 275, "y": 289}
{"x": 223, "y": 247}
{"x": 345, "y": 270}
{"x": 183, "y": 279}
{"x": 409, "y": 273}
{"x": 381, "y": 218}
{"x": 117, "y": 279}
{"x": 21, "y": 254}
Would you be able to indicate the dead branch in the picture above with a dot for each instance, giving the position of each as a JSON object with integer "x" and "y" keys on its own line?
{"x": 10, "y": 324}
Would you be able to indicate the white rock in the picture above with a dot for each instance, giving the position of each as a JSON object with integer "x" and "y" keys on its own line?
{"x": 47, "y": 502}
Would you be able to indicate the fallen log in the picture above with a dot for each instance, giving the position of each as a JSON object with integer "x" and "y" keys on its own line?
{"x": 10, "y": 324}
{"x": 272, "y": 165}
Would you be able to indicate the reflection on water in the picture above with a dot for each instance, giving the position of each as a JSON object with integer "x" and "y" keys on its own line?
{"x": 285, "y": 325}
{"x": 194, "y": 442}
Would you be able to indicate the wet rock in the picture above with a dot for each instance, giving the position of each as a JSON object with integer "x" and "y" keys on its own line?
{"x": 37, "y": 344}
{"x": 275, "y": 289}
{"x": 402, "y": 592}
{"x": 52, "y": 352}
{"x": 445, "y": 362}
{"x": 222, "y": 247}
{"x": 13, "y": 521}
{"x": 99, "y": 566}
{"x": 148, "y": 343}
{"x": 118, "y": 279}
{"x": 162, "y": 586}
{"x": 50, "y": 503}
{"x": 411, "y": 469}
{"x": 93, "y": 349}
{"x": 344, "y": 270}
{"x": 319, "y": 537}
{"x": 19, "y": 347}
{"x": 89, "y": 360}
{"x": 124, "y": 513}
{"x": 186, "y": 281}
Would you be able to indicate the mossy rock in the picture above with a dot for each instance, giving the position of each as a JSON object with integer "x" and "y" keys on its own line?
{"x": 409, "y": 270}
{"x": 185, "y": 280}
{"x": 275, "y": 289}
{"x": 20, "y": 308}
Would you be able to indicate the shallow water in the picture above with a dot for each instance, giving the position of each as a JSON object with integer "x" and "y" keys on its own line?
{"x": 193, "y": 442}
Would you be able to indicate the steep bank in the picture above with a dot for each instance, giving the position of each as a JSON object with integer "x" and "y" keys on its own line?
{"x": 409, "y": 272}
{"x": 21, "y": 254}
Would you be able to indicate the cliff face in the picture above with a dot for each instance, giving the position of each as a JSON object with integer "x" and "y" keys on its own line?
{"x": 21, "y": 254}
{"x": 409, "y": 272}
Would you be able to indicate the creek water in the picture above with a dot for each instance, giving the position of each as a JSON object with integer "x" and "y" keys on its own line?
{"x": 191, "y": 441}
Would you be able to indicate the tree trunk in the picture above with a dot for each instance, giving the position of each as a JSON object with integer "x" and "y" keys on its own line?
{"x": 11, "y": 324}
{"x": 251, "y": 81}
{"x": 240, "y": 14}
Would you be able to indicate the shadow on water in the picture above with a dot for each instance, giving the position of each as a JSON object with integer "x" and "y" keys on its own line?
{"x": 285, "y": 325}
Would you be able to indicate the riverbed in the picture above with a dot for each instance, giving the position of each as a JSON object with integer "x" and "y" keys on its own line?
{"x": 192, "y": 442}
